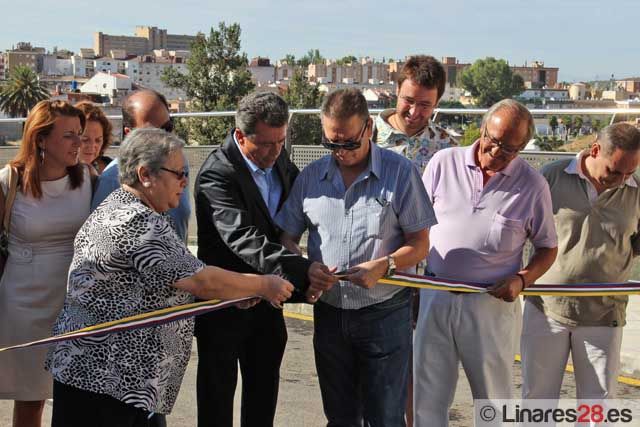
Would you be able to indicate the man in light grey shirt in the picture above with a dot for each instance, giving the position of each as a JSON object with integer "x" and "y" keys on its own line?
{"x": 367, "y": 213}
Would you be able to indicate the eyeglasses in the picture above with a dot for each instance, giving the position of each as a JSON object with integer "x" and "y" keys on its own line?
{"x": 508, "y": 151}
{"x": 349, "y": 144}
{"x": 179, "y": 175}
{"x": 168, "y": 126}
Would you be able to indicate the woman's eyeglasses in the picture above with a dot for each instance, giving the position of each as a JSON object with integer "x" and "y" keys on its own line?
{"x": 349, "y": 144}
{"x": 178, "y": 174}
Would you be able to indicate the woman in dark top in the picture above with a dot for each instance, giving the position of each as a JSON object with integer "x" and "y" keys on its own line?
{"x": 96, "y": 137}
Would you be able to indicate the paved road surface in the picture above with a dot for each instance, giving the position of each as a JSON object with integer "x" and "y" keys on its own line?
{"x": 299, "y": 402}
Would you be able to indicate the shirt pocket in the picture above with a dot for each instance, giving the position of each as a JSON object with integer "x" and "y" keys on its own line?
{"x": 505, "y": 234}
{"x": 377, "y": 219}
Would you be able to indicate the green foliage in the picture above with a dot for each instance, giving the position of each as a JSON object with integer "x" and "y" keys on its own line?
{"x": 451, "y": 104}
{"x": 313, "y": 56}
{"x": 471, "y": 134}
{"x": 216, "y": 80}
{"x": 21, "y": 92}
{"x": 578, "y": 121}
{"x": 346, "y": 60}
{"x": 549, "y": 144}
{"x": 303, "y": 129}
{"x": 597, "y": 125}
{"x": 553, "y": 123}
{"x": 490, "y": 80}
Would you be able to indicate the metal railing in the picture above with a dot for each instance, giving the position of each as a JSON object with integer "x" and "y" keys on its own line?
{"x": 438, "y": 113}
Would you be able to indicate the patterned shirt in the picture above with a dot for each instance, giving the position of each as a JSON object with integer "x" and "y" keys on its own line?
{"x": 364, "y": 222}
{"x": 126, "y": 257}
{"x": 418, "y": 148}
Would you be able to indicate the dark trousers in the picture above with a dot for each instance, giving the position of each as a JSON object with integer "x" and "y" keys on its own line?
{"x": 362, "y": 359}
{"x": 256, "y": 339}
{"x": 73, "y": 407}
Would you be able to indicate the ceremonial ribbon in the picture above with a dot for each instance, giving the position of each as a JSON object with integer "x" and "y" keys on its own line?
{"x": 144, "y": 320}
{"x": 170, "y": 314}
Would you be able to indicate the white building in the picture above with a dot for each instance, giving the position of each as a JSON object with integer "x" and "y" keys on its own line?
{"x": 149, "y": 75}
{"x": 115, "y": 86}
{"x": 547, "y": 94}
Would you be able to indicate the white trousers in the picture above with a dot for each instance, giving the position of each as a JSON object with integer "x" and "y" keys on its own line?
{"x": 475, "y": 329}
{"x": 545, "y": 347}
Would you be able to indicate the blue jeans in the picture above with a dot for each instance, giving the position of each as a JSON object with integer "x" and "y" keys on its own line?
{"x": 362, "y": 359}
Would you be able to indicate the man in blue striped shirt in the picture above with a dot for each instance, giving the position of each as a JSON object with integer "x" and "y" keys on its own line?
{"x": 367, "y": 214}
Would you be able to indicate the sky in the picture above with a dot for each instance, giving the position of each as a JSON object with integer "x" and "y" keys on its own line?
{"x": 585, "y": 39}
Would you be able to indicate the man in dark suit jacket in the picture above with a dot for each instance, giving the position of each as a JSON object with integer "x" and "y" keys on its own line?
{"x": 238, "y": 191}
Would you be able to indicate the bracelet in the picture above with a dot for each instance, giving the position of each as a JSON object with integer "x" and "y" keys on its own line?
{"x": 521, "y": 276}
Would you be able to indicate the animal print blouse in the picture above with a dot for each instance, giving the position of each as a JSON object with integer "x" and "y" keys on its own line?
{"x": 126, "y": 257}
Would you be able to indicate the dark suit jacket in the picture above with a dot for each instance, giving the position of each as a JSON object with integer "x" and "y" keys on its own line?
{"x": 235, "y": 230}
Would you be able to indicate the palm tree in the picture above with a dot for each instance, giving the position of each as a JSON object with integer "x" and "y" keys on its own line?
{"x": 21, "y": 92}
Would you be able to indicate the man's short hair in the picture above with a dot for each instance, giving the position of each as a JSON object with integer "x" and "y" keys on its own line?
{"x": 128, "y": 110}
{"x": 265, "y": 107}
{"x": 520, "y": 112}
{"x": 619, "y": 136}
{"x": 342, "y": 104}
{"x": 426, "y": 71}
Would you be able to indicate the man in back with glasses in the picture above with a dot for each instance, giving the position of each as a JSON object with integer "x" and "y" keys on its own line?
{"x": 140, "y": 109}
{"x": 367, "y": 215}
{"x": 408, "y": 129}
{"x": 489, "y": 202}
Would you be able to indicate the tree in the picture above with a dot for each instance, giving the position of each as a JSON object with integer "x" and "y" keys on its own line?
{"x": 346, "y": 60}
{"x": 312, "y": 57}
{"x": 21, "y": 92}
{"x": 216, "y": 79}
{"x": 490, "y": 80}
{"x": 471, "y": 134}
{"x": 289, "y": 59}
{"x": 303, "y": 129}
{"x": 577, "y": 124}
{"x": 553, "y": 123}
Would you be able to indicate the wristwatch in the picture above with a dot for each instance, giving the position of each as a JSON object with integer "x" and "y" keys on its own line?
{"x": 391, "y": 266}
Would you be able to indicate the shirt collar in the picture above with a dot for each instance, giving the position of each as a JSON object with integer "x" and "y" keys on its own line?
{"x": 470, "y": 160}
{"x": 575, "y": 168}
{"x": 374, "y": 165}
{"x": 382, "y": 124}
{"x": 252, "y": 166}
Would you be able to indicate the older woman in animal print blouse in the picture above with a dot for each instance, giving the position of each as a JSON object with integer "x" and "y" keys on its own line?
{"x": 129, "y": 260}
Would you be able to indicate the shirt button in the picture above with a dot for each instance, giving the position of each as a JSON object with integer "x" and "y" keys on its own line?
{"x": 345, "y": 297}
{"x": 615, "y": 323}
{"x": 346, "y": 213}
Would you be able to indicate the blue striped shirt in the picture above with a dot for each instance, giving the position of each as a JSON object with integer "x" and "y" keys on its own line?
{"x": 364, "y": 222}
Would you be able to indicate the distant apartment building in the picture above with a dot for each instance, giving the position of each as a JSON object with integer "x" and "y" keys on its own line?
{"x": 364, "y": 71}
{"x": 145, "y": 40}
{"x": 284, "y": 70}
{"x": 2, "y": 75}
{"x": 537, "y": 76}
{"x": 631, "y": 84}
{"x": 26, "y": 55}
{"x": 262, "y": 72}
{"x": 148, "y": 70}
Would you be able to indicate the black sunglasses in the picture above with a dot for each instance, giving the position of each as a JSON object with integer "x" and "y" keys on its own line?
{"x": 179, "y": 175}
{"x": 168, "y": 126}
{"x": 349, "y": 144}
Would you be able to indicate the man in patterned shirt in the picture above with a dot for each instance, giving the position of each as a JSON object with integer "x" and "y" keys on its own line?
{"x": 407, "y": 129}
